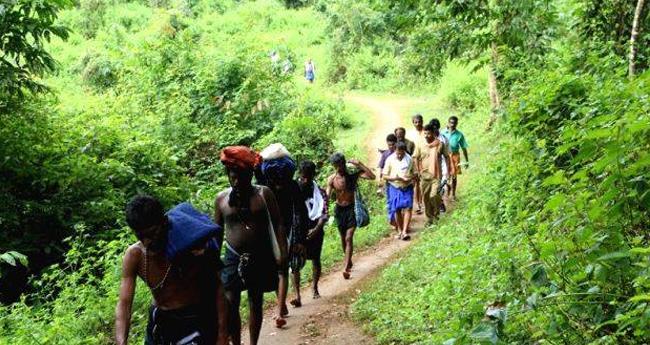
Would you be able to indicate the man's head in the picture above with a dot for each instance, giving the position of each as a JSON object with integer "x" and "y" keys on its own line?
{"x": 400, "y": 133}
{"x": 418, "y": 121}
{"x": 145, "y": 215}
{"x": 279, "y": 172}
{"x": 453, "y": 122}
{"x": 240, "y": 162}
{"x": 240, "y": 178}
{"x": 338, "y": 162}
{"x": 400, "y": 150}
{"x": 430, "y": 133}
{"x": 435, "y": 123}
{"x": 306, "y": 173}
{"x": 391, "y": 140}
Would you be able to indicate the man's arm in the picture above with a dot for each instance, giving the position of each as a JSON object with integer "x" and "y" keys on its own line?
{"x": 330, "y": 187}
{"x": 463, "y": 145}
{"x": 465, "y": 154}
{"x": 127, "y": 290}
{"x": 367, "y": 173}
{"x": 278, "y": 224}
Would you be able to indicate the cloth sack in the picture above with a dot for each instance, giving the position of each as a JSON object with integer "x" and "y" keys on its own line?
{"x": 188, "y": 227}
{"x": 360, "y": 210}
{"x": 274, "y": 151}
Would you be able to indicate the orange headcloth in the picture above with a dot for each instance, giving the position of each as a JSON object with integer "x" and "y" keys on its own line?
{"x": 242, "y": 157}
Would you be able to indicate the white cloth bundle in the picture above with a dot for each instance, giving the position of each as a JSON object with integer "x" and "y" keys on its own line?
{"x": 274, "y": 151}
{"x": 315, "y": 204}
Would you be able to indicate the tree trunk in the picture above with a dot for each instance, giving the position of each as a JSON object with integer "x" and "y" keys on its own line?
{"x": 633, "y": 37}
{"x": 495, "y": 100}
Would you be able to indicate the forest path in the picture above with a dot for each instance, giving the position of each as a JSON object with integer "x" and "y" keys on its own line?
{"x": 325, "y": 320}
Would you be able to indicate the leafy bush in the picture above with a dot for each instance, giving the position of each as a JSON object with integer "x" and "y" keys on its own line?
{"x": 98, "y": 71}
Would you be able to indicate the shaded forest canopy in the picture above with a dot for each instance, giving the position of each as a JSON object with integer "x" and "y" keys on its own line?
{"x": 101, "y": 100}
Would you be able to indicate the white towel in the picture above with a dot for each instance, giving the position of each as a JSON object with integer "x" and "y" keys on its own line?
{"x": 315, "y": 204}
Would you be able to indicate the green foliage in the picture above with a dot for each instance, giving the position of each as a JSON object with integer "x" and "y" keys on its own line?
{"x": 25, "y": 26}
{"x": 144, "y": 106}
{"x": 552, "y": 227}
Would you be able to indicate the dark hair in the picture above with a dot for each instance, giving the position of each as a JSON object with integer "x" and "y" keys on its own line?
{"x": 453, "y": 118}
{"x": 391, "y": 138}
{"x": 307, "y": 168}
{"x": 435, "y": 123}
{"x": 337, "y": 158}
{"x": 144, "y": 211}
{"x": 430, "y": 128}
{"x": 417, "y": 116}
{"x": 399, "y": 129}
{"x": 400, "y": 146}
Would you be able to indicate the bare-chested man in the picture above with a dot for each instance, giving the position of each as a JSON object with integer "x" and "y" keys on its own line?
{"x": 256, "y": 244}
{"x": 177, "y": 257}
{"x": 344, "y": 184}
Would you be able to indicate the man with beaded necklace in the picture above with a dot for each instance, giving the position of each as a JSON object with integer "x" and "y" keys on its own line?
{"x": 177, "y": 257}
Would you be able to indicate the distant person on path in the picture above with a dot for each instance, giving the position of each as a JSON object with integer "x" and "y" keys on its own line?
{"x": 310, "y": 71}
{"x": 398, "y": 172}
{"x": 427, "y": 157}
{"x": 444, "y": 163}
{"x": 417, "y": 136}
{"x": 177, "y": 257}
{"x": 255, "y": 239}
{"x": 278, "y": 173}
{"x": 391, "y": 140}
{"x": 400, "y": 133}
{"x": 457, "y": 142}
{"x": 345, "y": 184}
{"x": 317, "y": 210}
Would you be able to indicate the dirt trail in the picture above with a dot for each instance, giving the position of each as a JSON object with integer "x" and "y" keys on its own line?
{"x": 324, "y": 320}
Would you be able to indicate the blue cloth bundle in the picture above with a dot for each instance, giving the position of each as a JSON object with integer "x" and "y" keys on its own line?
{"x": 188, "y": 227}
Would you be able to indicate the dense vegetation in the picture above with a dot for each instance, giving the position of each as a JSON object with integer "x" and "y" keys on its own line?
{"x": 549, "y": 243}
{"x": 146, "y": 95}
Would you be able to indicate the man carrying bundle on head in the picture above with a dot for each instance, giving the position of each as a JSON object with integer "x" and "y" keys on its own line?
{"x": 398, "y": 172}
{"x": 348, "y": 203}
{"x": 177, "y": 257}
{"x": 255, "y": 239}
{"x": 278, "y": 169}
{"x": 316, "y": 201}
{"x": 427, "y": 158}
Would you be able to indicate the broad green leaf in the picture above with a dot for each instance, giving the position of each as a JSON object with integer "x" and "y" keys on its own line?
{"x": 640, "y": 298}
{"x": 8, "y": 258}
{"x": 615, "y": 256}
{"x": 555, "y": 179}
{"x": 485, "y": 332}
{"x": 640, "y": 251}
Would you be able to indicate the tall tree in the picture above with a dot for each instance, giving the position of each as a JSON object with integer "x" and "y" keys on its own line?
{"x": 633, "y": 37}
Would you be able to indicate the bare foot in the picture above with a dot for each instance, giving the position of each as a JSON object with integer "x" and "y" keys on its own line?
{"x": 296, "y": 303}
{"x": 349, "y": 266}
{"x": 346, "y": 274}
{"x": 280, "y": 322}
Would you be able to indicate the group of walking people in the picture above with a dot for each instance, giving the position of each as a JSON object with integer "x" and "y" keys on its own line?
{"x": 264, "y": 229}
{"x": 419, "y": 168}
